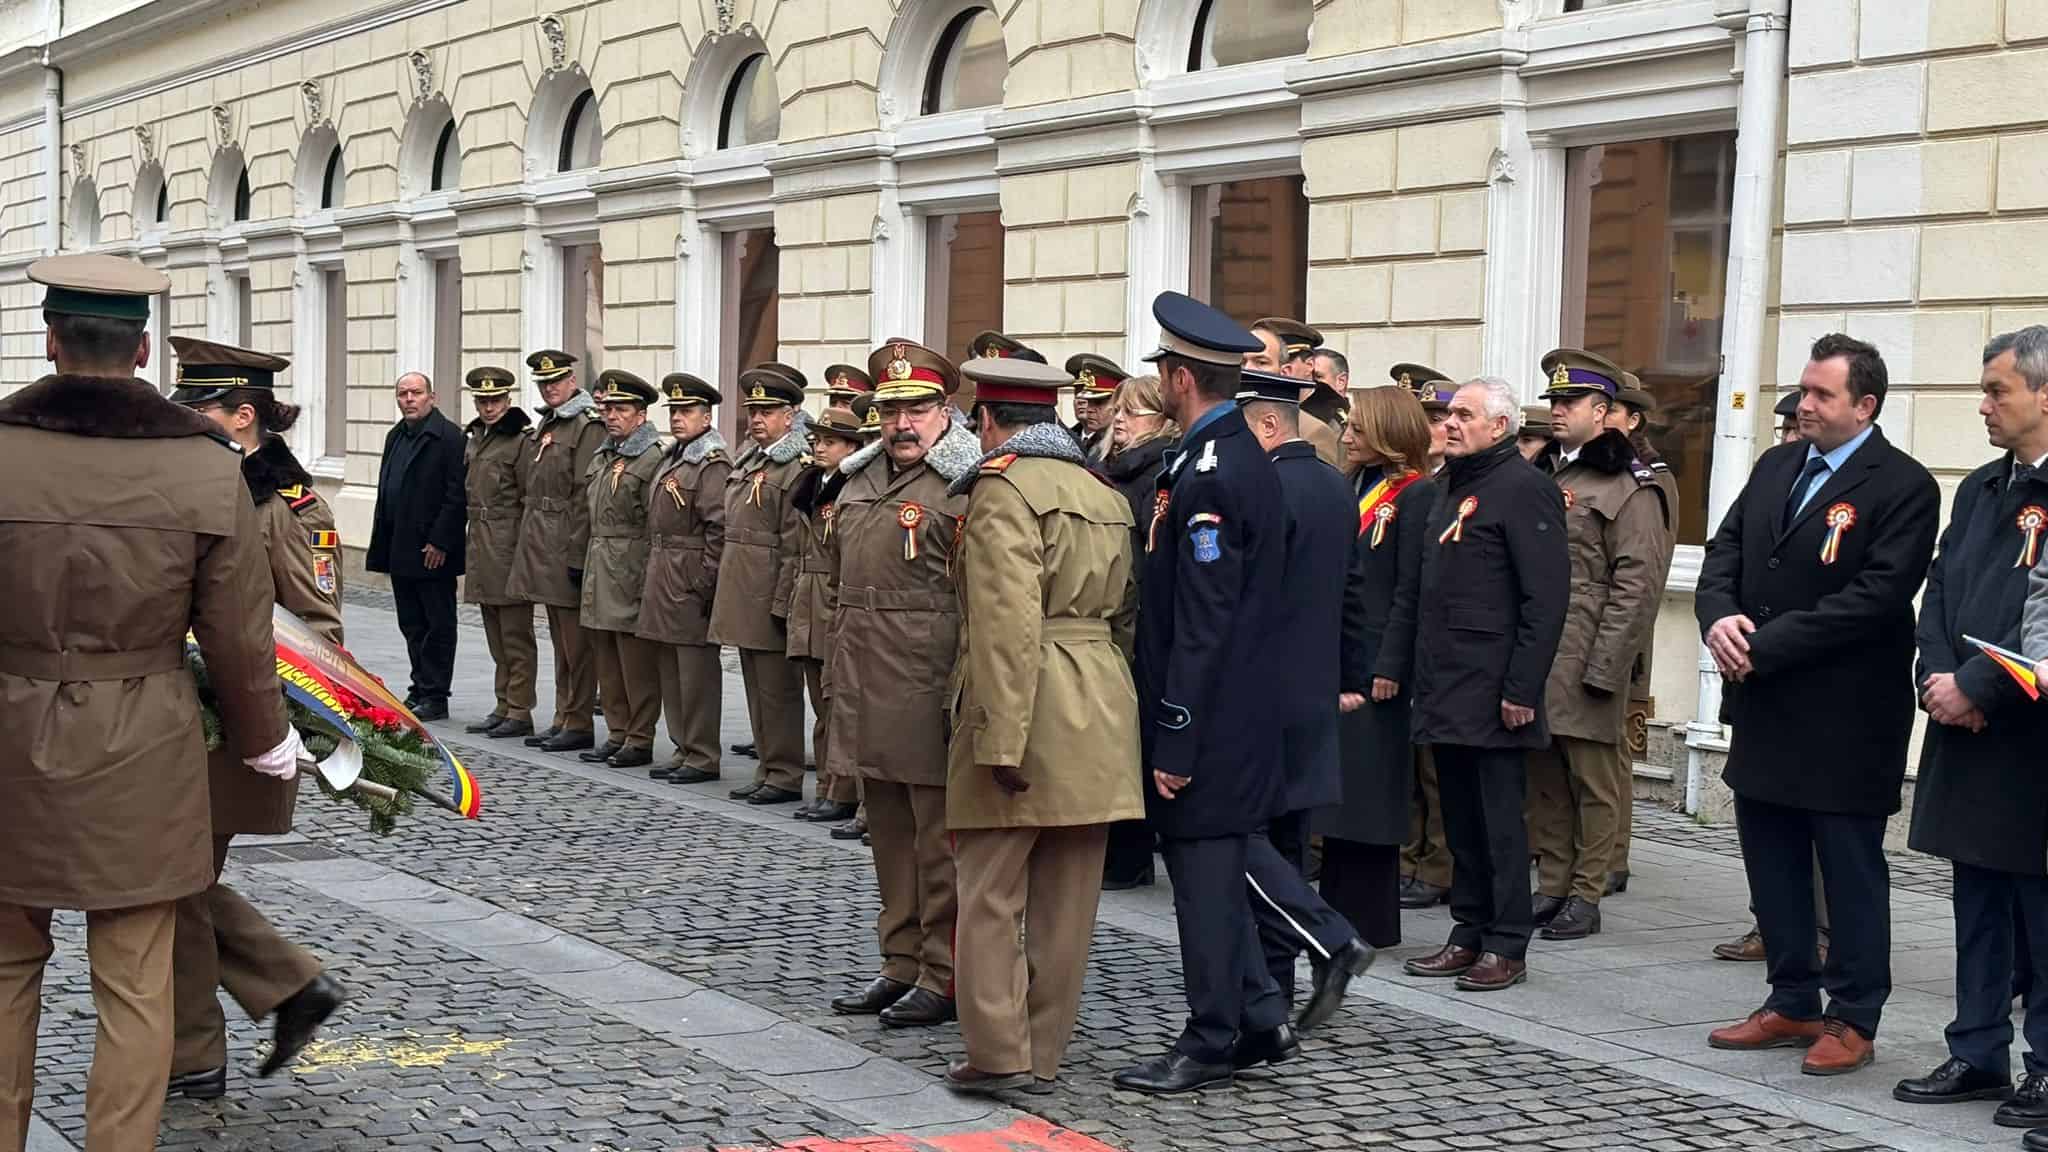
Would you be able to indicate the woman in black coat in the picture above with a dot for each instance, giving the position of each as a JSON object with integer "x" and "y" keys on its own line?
{"x": 1140, "y": 438}
{"x": 1386, "y": 441}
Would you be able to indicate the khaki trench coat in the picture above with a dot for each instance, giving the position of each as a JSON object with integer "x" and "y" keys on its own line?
{"x": 491, "y": 483}
{"x": 554, "y": 523}
{"x": 762, "y": 540}
{"x": 813, "y": 598}
{"x": 102, "y": 758}
{"x": 686, "y": 536}
{"x": 896, "y": 629}
{"x": 1040, "y": 685}
{"x": 1616, "y": 529}
{"x": 618, "y": 482}
{"x": 1329, "y": 448}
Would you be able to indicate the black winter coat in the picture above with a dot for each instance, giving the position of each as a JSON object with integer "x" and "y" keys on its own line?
{"x": 420, "y": 501}
{"x": 1322, "y": 520}
{"x": 1210, "y": 702}
{"x": 1381, "y": 597}
{"x": 1493, "y": 602}
{"x": 1135, "y": 472}
{"x": 1982, "y": 797}
{"x": 1822, "y": 721}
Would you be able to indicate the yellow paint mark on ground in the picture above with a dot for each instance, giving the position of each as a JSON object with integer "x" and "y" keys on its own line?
{"x": 415, "y": 1051}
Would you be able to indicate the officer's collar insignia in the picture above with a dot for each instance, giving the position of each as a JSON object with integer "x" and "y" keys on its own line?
{"x": 1208, "y": 461}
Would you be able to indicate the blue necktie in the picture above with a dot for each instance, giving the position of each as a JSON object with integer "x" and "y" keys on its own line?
{"x": 1797, "y": 498}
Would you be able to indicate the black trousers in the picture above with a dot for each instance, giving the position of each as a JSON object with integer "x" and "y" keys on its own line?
{"x": 1363, "y": 883}
{"x": 1482, "y": 791}
{"x": 1291, "y": 916}
{"x": 426, "y": 618}
{"x": 1779, "y": 845}
{"x": 1129, "y": 856}
{"x": 1223, "y": 974}
{"x": 1996, "y": 913}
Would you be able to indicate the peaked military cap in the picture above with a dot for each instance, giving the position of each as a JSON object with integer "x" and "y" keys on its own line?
{"x": 993, "y": 345}
{"x": 549, "y": 364}
{"x": 97, "y": 284}
{"x": 207, "y": 371}
{"x": 845, "y": 380}
{"x": 1536, "y": 421}
{"x": 870, "y": 420}
{"x": 1787, "y": 406}
{"x": 1095, "y": 377}
{"x": 1268, "y": 386}
{"x": 789, "y": 371}
{"x": 489, "y": 381}
{"x": 1192, "y": 330}
{"x": 1430, "y": 386}
{"x": 1015, "y": 381}
{"x": 1576, "y": 372}
{"x": 767, "y": 385}
{"x": 907, "y": 370}
{"x": 834, "y": 422}
{"x": 1296, "y": 338}
{"x": 618, "y": 386}
{"x": 681, "y": 389}
{"x": 1634, "y": 396}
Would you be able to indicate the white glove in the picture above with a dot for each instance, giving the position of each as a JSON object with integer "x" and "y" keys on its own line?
{"x": 282, "y": 761}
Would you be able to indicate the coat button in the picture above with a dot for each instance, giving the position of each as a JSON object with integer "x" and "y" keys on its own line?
{"x": 1773, "y": 565}
{"x": 1764, "y": 611}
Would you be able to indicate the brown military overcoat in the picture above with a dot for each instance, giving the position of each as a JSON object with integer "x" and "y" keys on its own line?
{"x": 686, "y": 537}
{"x": 896, "y": 628}
{"x": 554, "y": 523}
{"x": 763, "y": 538}
{"x": 617, "y": 484}
{"x": 813, "y": 599}
{"x": 491, "y": 482}
{"x": 1615, "y": 525}
{"x": 1044, "y": 571}
{"x": 102, "y": 756}
{"x": 1324, "y": 439}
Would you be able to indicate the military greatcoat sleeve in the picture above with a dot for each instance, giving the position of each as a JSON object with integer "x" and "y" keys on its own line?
{"x": 295, "y": 570}
{"x": 1209, "y": 584}
{"x": 1004, "y": 605}
{"x": 231, "y": 601}
{"x": 710, "y": 497}
{"x": 789, "y": 556}
{"x": 1635, "y": 540}
{"x": 1543, "y": 575}
{"x": 588, "y": 438}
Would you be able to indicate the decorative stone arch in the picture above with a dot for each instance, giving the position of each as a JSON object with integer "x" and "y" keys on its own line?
{"x": 319, "y": 152}
{"x": 564, "y": 98}
{"x": 430, "y": 153}
{"x": 83, "y": 217}
{"x": 909, "y": 56}
{"x": 227, "y": 188}
{"x": 1166, "y": 31}
{"x": 712, "y": 72}
{"x": 148, "y": 193}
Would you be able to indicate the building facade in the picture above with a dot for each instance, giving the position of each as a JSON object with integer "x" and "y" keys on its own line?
{"x": 1694, "y": 188}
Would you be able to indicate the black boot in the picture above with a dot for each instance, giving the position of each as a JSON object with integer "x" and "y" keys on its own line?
{"x": 1578, "y": 919}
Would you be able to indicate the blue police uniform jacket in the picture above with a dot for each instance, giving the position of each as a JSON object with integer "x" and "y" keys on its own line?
{"x": 1322, "y": 522}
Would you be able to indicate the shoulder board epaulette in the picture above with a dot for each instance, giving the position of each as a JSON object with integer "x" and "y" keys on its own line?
{"x": 1660, "y": 466}
{"x": 222, "y": 439}
{"x": 299, "y": 497}
{"x": 997, "y": 465}
{"x": 1644, "y": 474}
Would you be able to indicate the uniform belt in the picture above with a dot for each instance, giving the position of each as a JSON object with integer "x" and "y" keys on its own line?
{"x": 550, "y": 504}
{"x": 1074, "y": 628}
{"x": 752, "y": 536}
{"x": 676, "y": 540}
{"x": 490, "y": 512}
{"x": 72, "y": 666}
{"x": 897, "y": 600}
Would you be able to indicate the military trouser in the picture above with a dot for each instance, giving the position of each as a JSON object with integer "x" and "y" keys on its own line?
{"x": 775, "y": 710}
{"x": 914, "y": 870}
{"x": 629, "y": 675}
{"x": 224, "y": 942}
{"x": 575, "y": 670}
{"x": 833, "y": 786}
{"x": 1426, "y": 856}
{"x": 692, "y": 688}
{"x": 508, "y": 630}
{"x": 1574, "y": 813}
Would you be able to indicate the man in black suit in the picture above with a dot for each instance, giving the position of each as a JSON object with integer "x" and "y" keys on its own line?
{"x": 1806, "y": 602}
{"x": 417, "y": 537}
{"x": 1210, "y": 697}
{"x": 1320, "y": 527}
{"x": 1496, "y": 579}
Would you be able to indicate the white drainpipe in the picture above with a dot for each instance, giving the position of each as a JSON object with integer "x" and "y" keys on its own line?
{"x": 1765, "y": 32}
{"x": 53, "y": 146}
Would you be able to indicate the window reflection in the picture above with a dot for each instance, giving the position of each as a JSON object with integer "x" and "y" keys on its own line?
{"x": 1240, "y": 31}
{"x": 752, "y": 113}
{"x": 970, "y": 65}
{"x": 1250, "y": 247}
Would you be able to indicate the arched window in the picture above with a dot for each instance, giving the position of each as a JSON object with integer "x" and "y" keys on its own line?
{"x": 751, "y": 114}
{"x": 163, "y": 202}
{"x": 1240, "y": 31}
{"x": 581, "y": 137}
{"x": 227, "y": 189}
{"x": 85, "y": 213}
{"x": 969, "y": 65}
{"x": 447, "y": 169}
{"x": 333, "y": 182}
{"x": 242, "y": 196}
{"x": 149, "y": 204}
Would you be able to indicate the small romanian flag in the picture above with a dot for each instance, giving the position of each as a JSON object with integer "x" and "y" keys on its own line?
{"x": 2015, "y": 665}
{"x": 469, "y": 799}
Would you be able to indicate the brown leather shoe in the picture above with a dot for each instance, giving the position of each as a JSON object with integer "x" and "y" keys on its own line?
{"x": 1747, "y": 948}
{"x": 1493, "y": 973}
{"x": 1449, "y": 960}
{"x": 1840, "y": 1049}
{"x": 1765, "y": 1029}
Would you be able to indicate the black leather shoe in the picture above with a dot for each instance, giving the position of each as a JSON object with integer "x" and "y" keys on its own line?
{"x": 2028, "y": 1107}
{"x": 602, "y": 752}
{"x": 543, "y": 736}
{"x": 1955, "y": 1082}
{"x": 1332, "y": 979}
{"x": 569, "y": 741}
{"x": 968, "y": 1080}
{"x": 298, "y": 1019}
{"x": 1273, "y": 1046}
{"x": 746, "y": 750}
{"x": 1577, "y": 920}
{"x": 484, "y": 725}
{"x": 431, "y": 710}
{"x": 1545, "y": 908}
{"x": 662, "y": 771}
{"x": 212, "y": 1084}
{"x": 770, "y": 794}
{"x": 1617, "y": 883}
{"x": 1173, "y": 1074}
{"x": 2035, "y": 1141}
{"x": 508, "y": 728}
{"x": 827, "y": 812}
{"x": 879, "y": 994}
{"x": 855, "y": 829}
{"x": 1419, "y": 893}
{"x": 917, "y": 1008}
{"x": 1126, "y": 883}
{"x": 691, "y": 776}
{"x": 630, "y": 757}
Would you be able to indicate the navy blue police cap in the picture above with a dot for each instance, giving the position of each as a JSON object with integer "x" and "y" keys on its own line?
{"x": 1269, "y": 386}
{"x": 1192, "y": 330}
{"x": 1788, "y": 405}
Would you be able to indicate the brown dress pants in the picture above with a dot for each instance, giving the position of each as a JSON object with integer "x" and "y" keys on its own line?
{"x": 629, "y": 679}
{"x": 914, "y": 870}
{"x": 224, "y": 942}
{"x": 692, "y": 687}
{"x": 508, "y": 629}
{"x": 1018, "y": 1001}
{"x": 1575, "y": 798}
{"x": 575, "y": 671}
{"x": 775, "y": 709}
{"x": 831, "y": 786}
{"x": 1427, "y": 855}
{"x": 130, "y": 953}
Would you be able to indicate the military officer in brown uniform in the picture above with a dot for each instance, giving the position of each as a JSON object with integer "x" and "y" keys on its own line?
{"x": 835, "y": 435}
{"x": 686, "y": 537}
{"x": 1044, "y": 752}
{"x": 1095, "y": 379}
{"x": 222, "y": 940}
{"x": 554, "y": 534}
{"x": 497, "y": 438}
{"x": 618, "y": 484}
{"x": 1289, "y": 347}
{"x": 104, "y": 766}
{"x": 843, "y": 384}
{"x": 1615, "y": 524}
{"x": 895, "y": 530}
{"x": 757, "y": 579}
